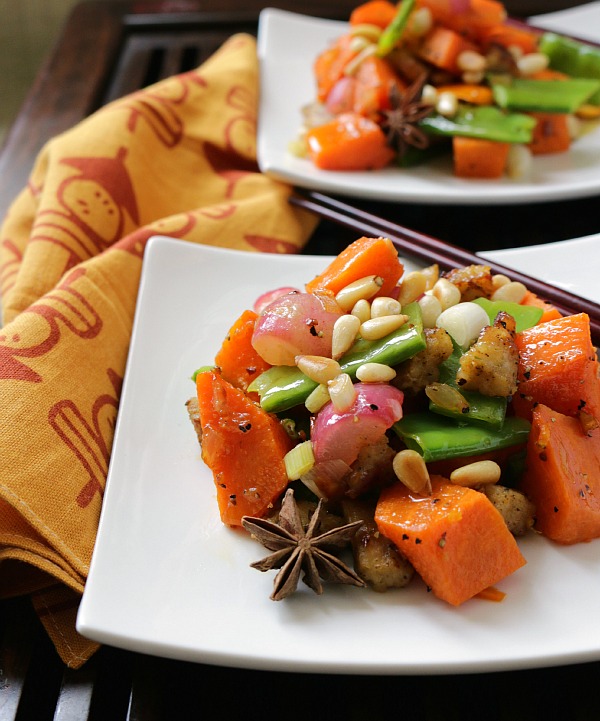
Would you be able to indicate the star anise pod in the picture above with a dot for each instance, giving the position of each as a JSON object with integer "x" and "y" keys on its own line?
{"x": 400, "y": 122}
{"x": 297, "y": 551}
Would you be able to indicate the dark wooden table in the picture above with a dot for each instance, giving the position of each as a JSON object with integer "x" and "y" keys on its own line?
{"x": 108, "y": 49}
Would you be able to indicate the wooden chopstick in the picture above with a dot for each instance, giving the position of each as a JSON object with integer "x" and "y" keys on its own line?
{"x": 433, "y": 250}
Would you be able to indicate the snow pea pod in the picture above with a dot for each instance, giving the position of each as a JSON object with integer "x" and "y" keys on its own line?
{"x": 486, "y": 122}
{"x": 572, "y": 57}
{"x": 437, "y": 438}
{"x": 544, "y": 96}
{"x": 283, "y": 387}
{"x": 526, "y": 316}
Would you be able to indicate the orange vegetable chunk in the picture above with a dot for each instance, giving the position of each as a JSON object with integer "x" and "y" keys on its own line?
{"x": 558, "y": 367}
{"x": 509, "y": 36}
{"x": 477, "y": 158}
{"x": 243, "y": 446}
{"x": 375, "y": 12}
{"x": 375, "y": 79}
{"x": 365, "y": 256}
{"x": 562, "y": 477}
{"x": 481, "y": 14}
{"x": 442, "y": 46}
{"x": 457, "y": 541}
{"x": 240, "y": 364}
{"x": 550, "y": 134}
{"x": 330, "y": 63}
{"x": 349, "y": 142}
{"x": 549, "y": 311}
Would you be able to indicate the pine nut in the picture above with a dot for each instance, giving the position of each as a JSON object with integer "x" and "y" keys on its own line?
{"x": 499, "y": 280}
{"x": 317, "y": 398}
{"x": 519, "y": 161}
{"x": 446, "y": 292}
{"x": 345, "y": 331}
{"x": 573, "y": 126}
{"x": 513, "y": 292}
{"x": 447, "y": 397}
{"x": 473, "y": 77}
{"x": 516, "y": 51}
{"x": 480, "y": 473}
{"x": 412, "y": 287}
{"x": 532, "y": 63}
{"x": 342, "y": 392}
{"x": 363, "y": 288}
{"x": 362, "y": 310}
{"x": 410, "y": 468}
{"x": 432, "y": 274}
{"x": 446, "y": 104}
{"x": 366, "y": 30}
{"x": 420, "y": 22}
{"x": 384, "y": 306}
{"x": 377, "y": 328}
{"x": 318, "y": 368}
{"x": 470, "y": 60}
{"x": 429, "y": 94}
{"x": 375, "y": 373}
{"x": 430, "y": 310}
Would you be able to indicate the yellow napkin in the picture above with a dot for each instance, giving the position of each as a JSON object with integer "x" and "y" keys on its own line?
{"x": 178, "y": 159}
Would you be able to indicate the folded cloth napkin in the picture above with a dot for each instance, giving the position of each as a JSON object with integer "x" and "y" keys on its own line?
{"x": 179, "y": 159}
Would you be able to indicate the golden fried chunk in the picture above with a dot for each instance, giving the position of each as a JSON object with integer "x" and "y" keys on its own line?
{"x": 376, "y": 559}
{"x": 490, "y": 365}
{"x": 372, "y": 469}
{"x": 194, "y": 414}
{"x": 516, "y": 509}
{"x": 473, "y": 281}
{"x": 422, "y": 369}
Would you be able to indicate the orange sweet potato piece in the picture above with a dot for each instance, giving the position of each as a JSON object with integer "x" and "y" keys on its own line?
{"x": 349, "y": 142}
{"x": 243, "y": 446}
{"x": 442, "y": 46}
{"x": 239, "y": 363}
{"x": 329, "y": 65}
{"x": 375, "y": 79}
{"x": 365, "y": 256}
{"x": 477, "y": 158}
{"x": 509, "y": 35}
{"x": 437, "y": 534}
{"x": 469, "y": 93}
{"x": 562, "y": 477}
{"x": 550, "y": 134}
{"x": 558, "y": 367}
{"x": 480, "y": 14}
{"x": 374, "y": 12}
{"x": 549, "y": 311}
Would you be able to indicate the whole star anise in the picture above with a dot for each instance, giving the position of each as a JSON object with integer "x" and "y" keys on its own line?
{"x": 400, "y": 122}
{"x": 297, "y": 550}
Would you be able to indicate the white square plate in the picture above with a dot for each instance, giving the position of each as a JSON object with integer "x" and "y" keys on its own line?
{"x": 288, "y": 44}
{"x": 167, "y": 578}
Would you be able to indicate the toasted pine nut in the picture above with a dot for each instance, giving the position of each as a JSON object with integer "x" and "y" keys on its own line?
{"x": 432, "y": 274}
{"x": 573, "y": 126}
{"x": 375, "y": 373}
{"x": 429, "y": 94}
{"x": 362, "y": 310}
{"x": 513, "y": 292}
{"x": 317, "y": 398}
{"x": 532, "y": 63}
{"x": 363, "y": 288}
{"x": 516, "y": 51}
{"x": 447, "y": 397}
{"x": 480, "y": 473}
{"x": 446, "y": 104}
{"x": 519, "y": 161}
{"x": 384, "y": 306}
{"x": 345, "y": 330}
{"x": 318, "y": 368}
{"x": 473, "y": 77}
{"x": 430, "y": 310}
{"x": 499, "y": 279}
{"x": 410, "y": 468}
{"x": 420, "y": 22}
{"x": 471, "y": 60}
{"x": 413, "y": 286}
{"x": 377, "y": 328}
{"x": 341, "y": 392}
{"x": 446, "y": 292}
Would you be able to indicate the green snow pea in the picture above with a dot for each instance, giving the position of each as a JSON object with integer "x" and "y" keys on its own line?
{"x": 526, "y": 316}
{"x": 437, "y": 438}
{"x": 489, "y": 411}
{"x": 572, "y": 57}
{"x": 390, "y": 36}
{"x": 283, "y": 387}
{"x": 547, "y": 96}
{"x": 486, "y": 122}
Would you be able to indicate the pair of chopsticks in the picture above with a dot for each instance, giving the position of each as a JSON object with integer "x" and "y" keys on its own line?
{"x": 433, "y": 250}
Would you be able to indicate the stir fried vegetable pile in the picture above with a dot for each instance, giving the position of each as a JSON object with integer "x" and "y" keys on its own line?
{"x": 434, "y": 417}
{"x": 411, "y": 81}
